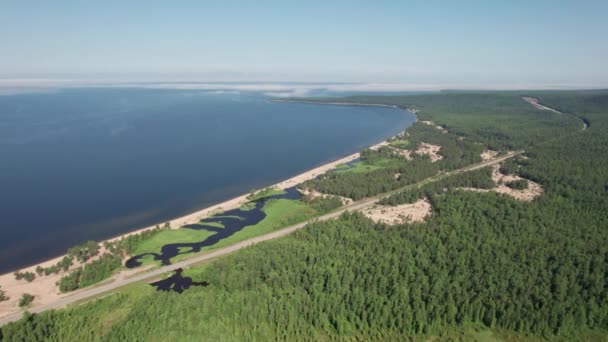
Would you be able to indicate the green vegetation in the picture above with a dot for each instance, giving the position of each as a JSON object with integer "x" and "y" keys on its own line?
{"x": 323, "y": 204}
{"x": 399, "y": 143}
{"x": 128, "y": 245}
{"x": 248, "y": 206}
{"x": 62, "y": 265}
{"x": 279, "y": 214}
{"x": 520, "y": 184}
{"x": 480, "y": 178}
{"x": 482, "y": 267}
{"x": 84, "y": 252}
{"x": 498, "y": 120}
{"x": 357, "y": 167}
{"x": 91, "y": 273}
{"x": 3, "y": 296}
{"x": 256, "y": 195}
{"x": 153, "y": 245}
{"x": 107, "y": 264}
{"x": 25, "y": 300}
{"x": 28, "y": 276}
{"x": 357, "y": 185}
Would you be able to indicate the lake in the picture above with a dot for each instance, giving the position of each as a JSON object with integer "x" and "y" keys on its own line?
{"x": 93, "y": 163}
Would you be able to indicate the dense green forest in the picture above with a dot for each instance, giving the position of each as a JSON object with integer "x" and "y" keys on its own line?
{"x": 482, "y": 263}
{"x": 474, "y": 122}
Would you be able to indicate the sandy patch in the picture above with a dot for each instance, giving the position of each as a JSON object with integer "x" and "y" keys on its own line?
{"x": 377, "y": 146}
{"x": 534, "y": 189}
{"x": 407, "y": 154}
{"x": 488, "y": 154}
{"x": 429, "y": 150}
{"x": 316, "y": 194}
{"x": 413, "y": 110}
{"x": 404, "y": 213}
{"x": 424, "y": 149}
{"x": 42, "y": 288}
{"x": 431, "y": 123}
{"x": 45, "y": 290}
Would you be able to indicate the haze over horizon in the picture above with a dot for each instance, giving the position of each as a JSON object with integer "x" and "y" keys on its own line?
{"x": 418, "y": 45}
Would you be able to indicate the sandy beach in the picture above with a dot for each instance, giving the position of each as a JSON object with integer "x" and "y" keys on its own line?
{"x": 44, "y": 288}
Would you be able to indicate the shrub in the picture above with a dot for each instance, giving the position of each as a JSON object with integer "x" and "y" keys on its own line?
{"x": 520, "y": 184}
{"x": 3, "y": 296}
{"x": 25, "y": 300}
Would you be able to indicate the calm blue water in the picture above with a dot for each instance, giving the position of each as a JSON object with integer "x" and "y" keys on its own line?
{"x": 94, "y": 163}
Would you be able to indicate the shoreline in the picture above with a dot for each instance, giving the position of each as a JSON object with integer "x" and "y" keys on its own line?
{"x": 234, "y": 202}
{"x": 228, "y": 204}
{"x": 343, "y": 104}
{"x": 196, "y": 216}
{"x": 45, "y": 290}
{"x": 410, "y": 109}
{"x": 44, "y": 287}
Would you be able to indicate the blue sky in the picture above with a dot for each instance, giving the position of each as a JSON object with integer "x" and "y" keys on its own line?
{"x": 455, "y": 43}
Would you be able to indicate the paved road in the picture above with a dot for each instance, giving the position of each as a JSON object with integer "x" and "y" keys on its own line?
{"x": 99, "y": 290}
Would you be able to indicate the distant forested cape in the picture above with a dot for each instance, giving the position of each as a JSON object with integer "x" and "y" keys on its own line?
{"x": 482, "y": 262}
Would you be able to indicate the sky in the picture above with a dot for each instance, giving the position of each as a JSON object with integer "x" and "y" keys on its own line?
{"x": 499, "y": 44}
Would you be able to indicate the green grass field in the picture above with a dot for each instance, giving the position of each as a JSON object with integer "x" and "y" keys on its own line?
{"x": 279, "y": 214}
{"x": 359, "y": 167}
{"x": 154, "y": 244}
{"x": 400, "y": 143}
{"x": 265, "y": 193}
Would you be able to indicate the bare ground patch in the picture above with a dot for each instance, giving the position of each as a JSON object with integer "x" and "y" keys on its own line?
{"x": 424, "y": 149}
{"x": 404, "y": 213}
{"x": 431, "y": 123}
{"x": 534, "y": 189}
{"x": 407, "y": 154}
{"x": 430, "y": 150}
{"x": 316, "y": 194}
{"x": 44, "y": 287}
{"x": 488, "y": 154}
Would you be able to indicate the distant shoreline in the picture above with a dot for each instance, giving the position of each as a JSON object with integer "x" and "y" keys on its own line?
{"x": 411, "y": 110}
{"x": 339, "y": 103}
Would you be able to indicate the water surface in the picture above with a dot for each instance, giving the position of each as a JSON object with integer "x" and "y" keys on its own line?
{"x": 95, "y": 163}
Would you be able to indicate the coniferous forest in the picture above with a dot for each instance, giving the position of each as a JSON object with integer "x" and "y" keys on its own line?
{"x": 482, "y": 263}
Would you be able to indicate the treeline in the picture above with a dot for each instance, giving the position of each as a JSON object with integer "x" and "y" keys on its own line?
{"x": 91, "y": 273}
{"x": 3, "y": 296}
{"x": 480, "y": 178}
{"x": 324, "y": 204}
{"x": 535, "y": 269}
{"x": 497, "y": 120}
{"x": 257, "y": 194}
{"x": 482, "y": 259}
{"x": 360, "y": 185}
{"x": 128, "y": 244}
{"x": 396, "y": 171}
{"x": 84, "y": 252}
{"x": 102, "y": 268}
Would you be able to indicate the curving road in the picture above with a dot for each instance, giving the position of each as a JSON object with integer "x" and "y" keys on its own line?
{"x": 538, "y": 105}
{"x": 102, "y": 289}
